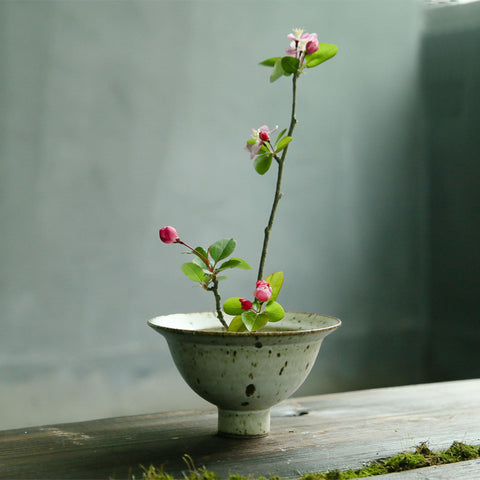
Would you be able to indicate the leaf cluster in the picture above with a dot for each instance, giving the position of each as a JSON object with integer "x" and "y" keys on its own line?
{"x": 288, "y": 65}
{"x": 205, "y": 265}
{"x": 261, "y": 312}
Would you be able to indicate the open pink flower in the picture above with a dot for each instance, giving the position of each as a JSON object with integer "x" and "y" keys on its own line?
{"x": 302, "y": 43}
{"x": 246, "y": 304}
{"x": 168, "y": 235}
{"x": 261, "y": 136}
{"x": 263, "y": 291}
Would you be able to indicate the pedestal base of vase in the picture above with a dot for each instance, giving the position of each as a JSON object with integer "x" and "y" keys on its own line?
{"x": 243, "y": 424}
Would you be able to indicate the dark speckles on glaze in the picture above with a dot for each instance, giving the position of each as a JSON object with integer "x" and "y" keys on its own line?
{"x": 250, "y": 390}
{"x": 258, "y": 344}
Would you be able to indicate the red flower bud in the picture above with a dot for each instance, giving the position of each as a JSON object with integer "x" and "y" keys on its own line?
{"x": 168, "y": 235}
{"x": 264, "y": 136}
{"x": 246, "y": 304}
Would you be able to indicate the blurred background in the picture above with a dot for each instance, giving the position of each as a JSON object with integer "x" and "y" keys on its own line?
{"x": 119, "y": 117}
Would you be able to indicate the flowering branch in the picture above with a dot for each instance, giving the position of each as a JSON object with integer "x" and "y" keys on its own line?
{"x": 304, "y": 52}
{"x": 204, "y": 268}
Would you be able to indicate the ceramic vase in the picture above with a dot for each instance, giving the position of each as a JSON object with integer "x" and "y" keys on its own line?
{"x": 244, "y": 374}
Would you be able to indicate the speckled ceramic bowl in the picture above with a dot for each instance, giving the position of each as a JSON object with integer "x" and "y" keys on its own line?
{"x": 244, "y": 374}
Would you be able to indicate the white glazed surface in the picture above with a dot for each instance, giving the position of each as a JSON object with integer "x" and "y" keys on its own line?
{"x": 246, "y": 372}
{"x": 208, "y": 320}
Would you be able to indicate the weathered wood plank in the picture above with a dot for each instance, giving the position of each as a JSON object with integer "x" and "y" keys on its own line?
{"x": 308, "y": 434}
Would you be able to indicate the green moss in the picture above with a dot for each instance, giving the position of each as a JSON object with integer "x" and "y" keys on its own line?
{"x": 405, "y": 461}
{"x": 421, "y": 457}
{"x": 460, "y": 451}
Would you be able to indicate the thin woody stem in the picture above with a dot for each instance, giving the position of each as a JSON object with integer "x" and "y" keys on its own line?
{"x": 214, "y": 289}
{"x": 278, "y": 193}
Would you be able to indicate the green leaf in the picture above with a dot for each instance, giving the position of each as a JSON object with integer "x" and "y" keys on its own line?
{"x": 269, "y": 62}
{"x": 264, "y": 149}
{"x": 234, "y": 263}
{"x": 243, "y": 264}
{"x": 237, "y": 325}
{"x": 325, "y": 52}
{"x": 276, "y": 281}
{"x": 201, "y": 252}
{"x": 193, "y": 272}
{"x": 274, "y": 311}
{"x": 283, "y": 143}
{"x": 198, "y": 259}
{"x": 290, "y": 64}
{"x": 222, "y": 249}
{"x": 277, "y": 70}
{"x": 262, "y": 163}
{"x": 280, "y": 135}
{"x": 254, "y": 321}
{"x": 232, "y": 306}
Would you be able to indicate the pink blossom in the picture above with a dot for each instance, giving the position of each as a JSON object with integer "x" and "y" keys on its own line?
{"x": 246, "y": 304}
{"x": 292, "y": 51}
{"x": 261, "y": 136}
{"x": 168, "y": 235}
{"x": 263, "y": 291}
{"x": 312, "y": 44}
{"x": 302, "y": 43}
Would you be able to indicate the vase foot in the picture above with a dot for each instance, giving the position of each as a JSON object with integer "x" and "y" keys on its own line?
{"x": 243, "y": 424}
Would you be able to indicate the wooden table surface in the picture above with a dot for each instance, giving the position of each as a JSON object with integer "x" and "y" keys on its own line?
{"x": 318, "y": 433}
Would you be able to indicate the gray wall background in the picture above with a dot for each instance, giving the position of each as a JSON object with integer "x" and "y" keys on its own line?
{"x": 119, "y": 117}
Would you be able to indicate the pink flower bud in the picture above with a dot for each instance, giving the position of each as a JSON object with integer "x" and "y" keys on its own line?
{"x": 263, "y": 292}
{"x": 312, "y": 44}
{"x": 246, "y": 304}
{"x": 168, "y": 235}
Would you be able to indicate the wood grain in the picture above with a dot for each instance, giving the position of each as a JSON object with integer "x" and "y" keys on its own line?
{"x": 335, "y": 431}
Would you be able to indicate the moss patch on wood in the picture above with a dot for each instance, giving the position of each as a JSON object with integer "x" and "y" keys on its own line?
{"x": 420, "y": 457}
